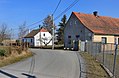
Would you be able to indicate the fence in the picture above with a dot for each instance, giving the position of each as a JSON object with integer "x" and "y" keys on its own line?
{"x": 105, "y": 54}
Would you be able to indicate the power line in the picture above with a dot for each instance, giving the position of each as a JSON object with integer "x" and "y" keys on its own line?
{"x": 57, "y": 7}
{"x": 31, "y": 25}
{"x": 68, "y": 8}
{"x": 35, "y": 23}
{"x": 43, "y": 19}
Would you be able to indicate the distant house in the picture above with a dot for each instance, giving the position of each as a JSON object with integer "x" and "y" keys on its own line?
{"x": 38, "y": 37}
{"x": 91, "y": 27}
{"x": 8, "y": 42}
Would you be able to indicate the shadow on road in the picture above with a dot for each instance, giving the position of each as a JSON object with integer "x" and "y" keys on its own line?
{"x": 7, "y": 74}
{"x": 29, "y": 76}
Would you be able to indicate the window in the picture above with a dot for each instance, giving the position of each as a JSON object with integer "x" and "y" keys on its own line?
{"x": 77, "y": 36}
{"x": 104, "y": 40}
{"x": 44, "y": 34}
{"x": 31, "y": 40}
{"x": 69, "y": 39}
{"x": 22, "y": 40}
{"x": 76, "y": 22}
{"x": 69, "y": 36}
{"x": 81, "y": 30}
{"x": 118, "y": 41}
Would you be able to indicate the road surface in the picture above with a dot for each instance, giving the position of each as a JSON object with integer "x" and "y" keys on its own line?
{"x": 44, "y": 64}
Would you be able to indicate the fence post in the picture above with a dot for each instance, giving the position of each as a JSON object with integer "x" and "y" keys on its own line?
{"x": 115, "y": 56}
{"x": 103, "y": 53}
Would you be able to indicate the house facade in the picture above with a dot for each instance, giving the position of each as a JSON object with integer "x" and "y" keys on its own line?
{"x": 90, "y": 27}
{"x": 39, "y": 37}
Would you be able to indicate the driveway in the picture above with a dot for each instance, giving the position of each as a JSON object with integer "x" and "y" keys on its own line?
{"x": 44, "y": 64}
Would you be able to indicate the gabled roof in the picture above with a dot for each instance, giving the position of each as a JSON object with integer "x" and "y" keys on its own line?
{"x": 99, "y": 24}
{"x": 34, "y": 32}
{"x": 43, "y": 30}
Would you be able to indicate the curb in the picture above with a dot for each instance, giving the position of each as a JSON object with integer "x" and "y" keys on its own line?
{"x": 82, "y": 67}
{"x": 107, "y": 71}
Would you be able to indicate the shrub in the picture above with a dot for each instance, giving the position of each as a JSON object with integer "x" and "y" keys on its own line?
{"x": 2, "y": 52}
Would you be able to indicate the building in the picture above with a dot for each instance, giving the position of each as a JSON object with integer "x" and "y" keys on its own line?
{"x": 90, "y": 27}
{"x": 8, "y": 42}
{"x": 38, "y": 37}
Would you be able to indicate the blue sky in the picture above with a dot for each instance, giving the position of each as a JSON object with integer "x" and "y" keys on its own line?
{"x": 15, "y": 12}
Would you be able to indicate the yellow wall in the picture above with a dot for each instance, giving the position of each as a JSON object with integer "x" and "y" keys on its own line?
{"x": 98, "y": 38}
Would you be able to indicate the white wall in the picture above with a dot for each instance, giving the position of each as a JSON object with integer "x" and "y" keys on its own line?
{"x": 41, "y": 34}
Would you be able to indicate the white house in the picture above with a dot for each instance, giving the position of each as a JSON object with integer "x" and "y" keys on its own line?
{"x": 38, "y": 37}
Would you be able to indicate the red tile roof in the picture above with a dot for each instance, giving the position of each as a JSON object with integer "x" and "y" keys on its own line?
{"x": 99, "y": 24}
{"x": 43, "y": 30}
{"x": 34, "y": 32}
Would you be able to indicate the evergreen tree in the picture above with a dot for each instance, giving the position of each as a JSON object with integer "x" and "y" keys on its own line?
{"x": 60, "y": 31}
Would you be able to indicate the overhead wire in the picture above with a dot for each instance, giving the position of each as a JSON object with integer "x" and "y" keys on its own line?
{"x": 68, "y": 8}
{"x": 57, "y": 7}
{"x": 43, "y": 19}
{"x": 57, "y": 17}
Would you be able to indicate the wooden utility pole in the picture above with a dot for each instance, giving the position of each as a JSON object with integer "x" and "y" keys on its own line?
{"x": 52, "y": 32}
{"x": 40, "y": 36}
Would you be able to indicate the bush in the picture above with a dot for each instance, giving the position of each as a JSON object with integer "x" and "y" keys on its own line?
{"x": 2, "y": 52}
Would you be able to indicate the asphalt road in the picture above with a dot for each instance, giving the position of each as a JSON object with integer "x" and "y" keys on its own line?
{"x": 44, "y": 64}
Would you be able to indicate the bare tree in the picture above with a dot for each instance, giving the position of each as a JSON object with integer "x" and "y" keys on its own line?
{"x": 22, "y": 31}
{"x": 4, "y": 32}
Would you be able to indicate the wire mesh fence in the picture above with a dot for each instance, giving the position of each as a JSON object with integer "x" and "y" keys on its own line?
{"x": 105, "y": 54}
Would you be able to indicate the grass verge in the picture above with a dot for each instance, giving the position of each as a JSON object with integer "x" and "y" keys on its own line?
{"x": 93, "y": 68}
{"x": 14, "y": 58}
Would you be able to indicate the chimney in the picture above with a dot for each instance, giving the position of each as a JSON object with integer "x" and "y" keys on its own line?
{"x": 95, "y": 13}
{"x": 29, "y": 30}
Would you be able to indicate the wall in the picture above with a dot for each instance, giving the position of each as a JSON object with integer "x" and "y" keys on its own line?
{"x": 74, "y": 27}
{"x": 41, "y": 35}
{"x": 98, "y": 38}
{"x": 29, "y": 41}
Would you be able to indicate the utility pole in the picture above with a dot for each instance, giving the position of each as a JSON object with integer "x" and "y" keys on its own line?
{"x": 40, "y": 35}
{"x": 52, "y": 32}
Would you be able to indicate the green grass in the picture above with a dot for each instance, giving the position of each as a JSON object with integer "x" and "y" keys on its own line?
{"x": 7, "y": 50}
{"x": 93, "y": 68}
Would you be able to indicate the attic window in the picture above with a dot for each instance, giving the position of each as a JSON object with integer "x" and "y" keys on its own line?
{"x": 69, "y": 36}
{"x": 44, "y": 34}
